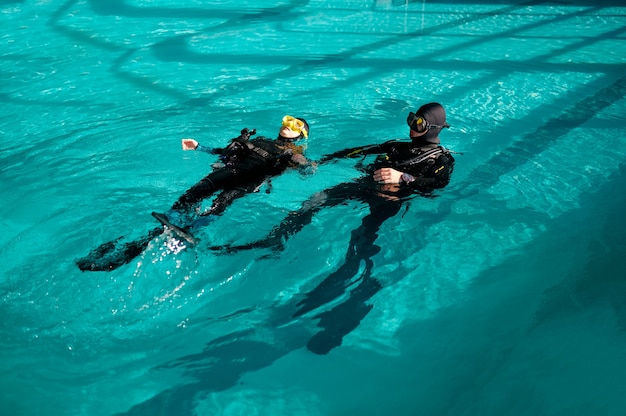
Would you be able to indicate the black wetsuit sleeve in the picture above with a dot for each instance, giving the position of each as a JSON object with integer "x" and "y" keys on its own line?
{"x": 430, "y": 174}
{"x": 354, "y": 152}
{"x": 210, "y": 150}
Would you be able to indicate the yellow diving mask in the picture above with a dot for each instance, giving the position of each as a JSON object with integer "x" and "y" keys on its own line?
{"x": 296, "y": 125}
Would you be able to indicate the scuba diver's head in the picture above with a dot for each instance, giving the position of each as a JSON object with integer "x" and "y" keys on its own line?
{"x": 293, "y": 128}
{"x": 427, "y": 122}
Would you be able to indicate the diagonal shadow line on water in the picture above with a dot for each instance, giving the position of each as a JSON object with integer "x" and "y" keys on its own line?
{"x": 601, "y": 279}
{"x": 177, "y": 49}
{"x": 279, "y": 13}
{"x": 164, "y": 51}
{"x": 121, "y": 8}
{"x": 542, "y": 138}
{"x": 380, "y": 66}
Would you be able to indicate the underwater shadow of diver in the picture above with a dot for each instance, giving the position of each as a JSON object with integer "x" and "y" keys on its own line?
{"x": 219, "y": 366}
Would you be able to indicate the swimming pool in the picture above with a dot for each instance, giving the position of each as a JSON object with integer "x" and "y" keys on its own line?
{"x": 504, "y": 295}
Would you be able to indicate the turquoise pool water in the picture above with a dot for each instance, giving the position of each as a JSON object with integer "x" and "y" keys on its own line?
{"x": 503, "y": 296}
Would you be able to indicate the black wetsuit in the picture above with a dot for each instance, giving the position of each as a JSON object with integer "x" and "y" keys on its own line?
{"x": 246, "y": 165}
{"x": 429, "y": 166}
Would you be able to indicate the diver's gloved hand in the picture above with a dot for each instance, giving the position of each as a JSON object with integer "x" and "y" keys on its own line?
{"x": 246, "y": 133}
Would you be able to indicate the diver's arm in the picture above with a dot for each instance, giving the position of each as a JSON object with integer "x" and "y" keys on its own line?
{"x": 305, "y": 166}
{"x": 416, "y": 181}
{"x": 210, "y": 150}
{"x": 297, "y": 159}
{"x": 192, "y": 144}
{"x": 354, "y": 152}
{"x": 436, "y": 175}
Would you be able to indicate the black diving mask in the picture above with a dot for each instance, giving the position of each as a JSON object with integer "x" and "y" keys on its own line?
{"x": 420, "y": 124}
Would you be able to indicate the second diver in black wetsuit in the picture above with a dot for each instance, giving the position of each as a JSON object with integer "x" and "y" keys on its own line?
{"x": 401, "y": 169}
{"x": 245, "y": 165}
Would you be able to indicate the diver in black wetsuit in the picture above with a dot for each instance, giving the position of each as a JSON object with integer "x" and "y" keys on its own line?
{"x": 245, "y": 165}
{"x": 401, "y": 169}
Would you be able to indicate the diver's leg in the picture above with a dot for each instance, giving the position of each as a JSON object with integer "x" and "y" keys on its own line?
{"x": 296, "y": 220}
{"x": 182, "y": 213}
{"x": 184, "y": 224}
{"x": 224, "y": 200}
{"x": 221, "y": 202}
{"x": 109, "y": 256}
{"x": 214, "y": 181}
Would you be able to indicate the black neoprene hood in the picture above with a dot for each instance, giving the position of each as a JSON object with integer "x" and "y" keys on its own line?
{"x": 435, "y": 114}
